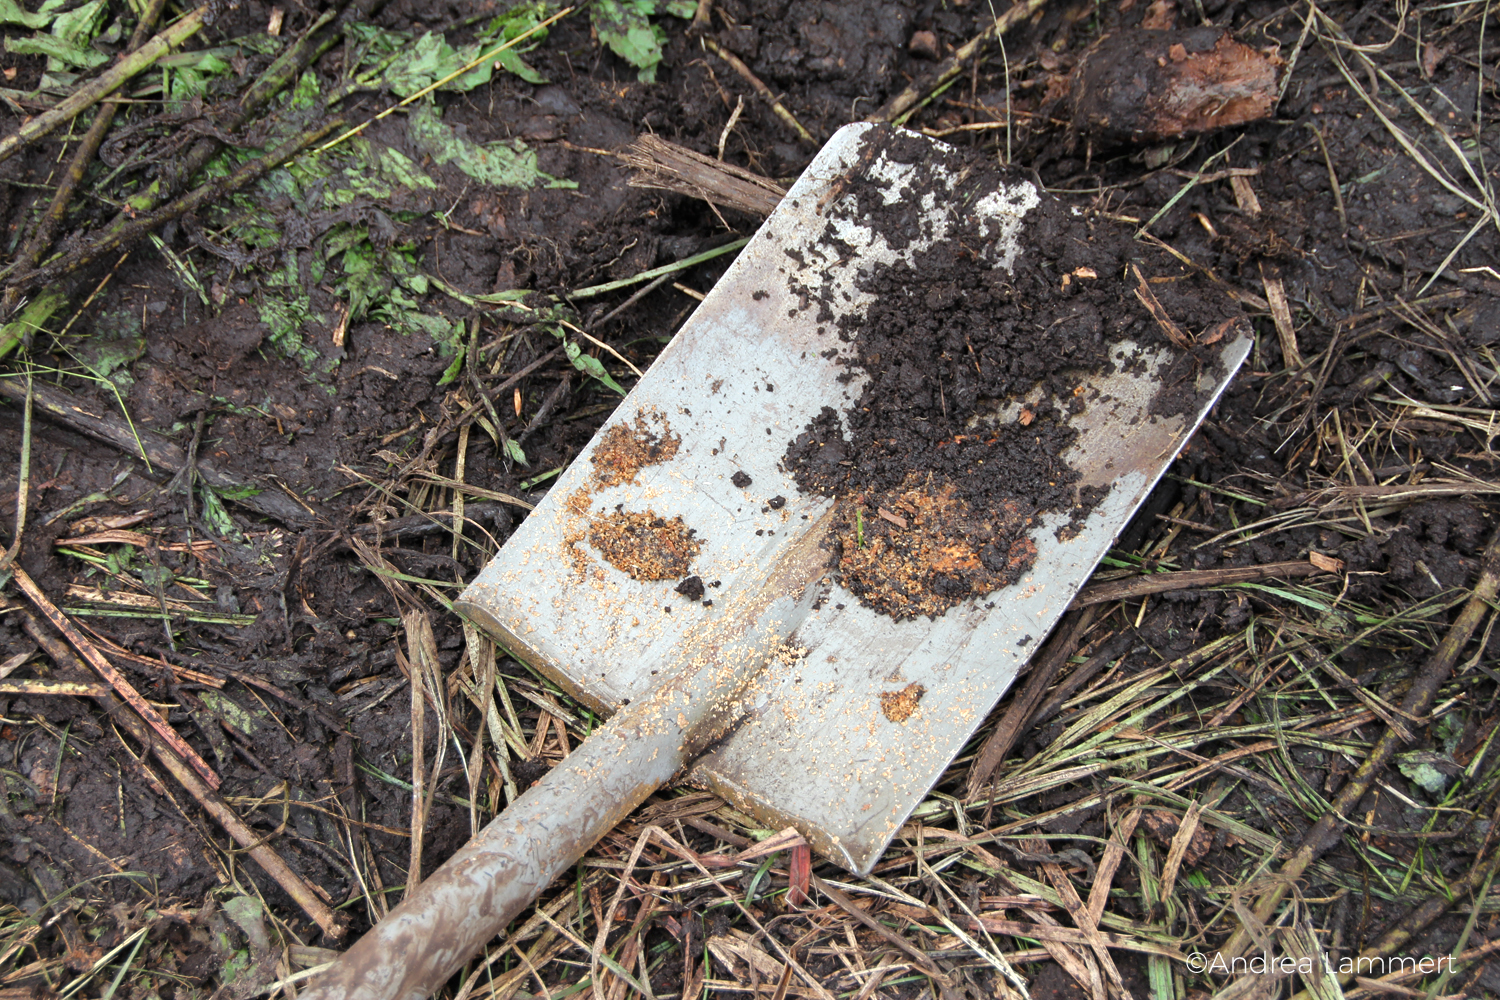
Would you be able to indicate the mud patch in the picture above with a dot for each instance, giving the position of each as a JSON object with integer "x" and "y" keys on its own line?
{"x": 646, "y": 546}
{"x": 898, "y": 706}
{"x": 627, "y": 448}
{"x": 923, "y": 549}
{"x": 975, "y": 352}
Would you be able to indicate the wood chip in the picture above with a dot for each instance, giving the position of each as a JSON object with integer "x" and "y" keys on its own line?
{"x": 30, "y": 686}
{"x": 1173, "y": 332}
{"x": 895, "y": 519}
{"x": 1327, "y": 563}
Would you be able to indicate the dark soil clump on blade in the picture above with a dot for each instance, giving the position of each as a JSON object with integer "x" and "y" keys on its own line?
{"x": 976, "y": 349}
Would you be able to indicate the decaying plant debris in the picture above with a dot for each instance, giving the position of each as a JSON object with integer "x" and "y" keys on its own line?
{"x": 265, "y": 345}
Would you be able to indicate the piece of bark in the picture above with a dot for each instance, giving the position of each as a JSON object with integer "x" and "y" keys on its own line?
{"x": 667, "y": 166}
{"x": 164, "y": 456}
{"x": 1149, "y": 86}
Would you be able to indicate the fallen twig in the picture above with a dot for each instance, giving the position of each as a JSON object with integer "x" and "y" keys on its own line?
{"x": 114, "y": 678}
{"x": 1049, "y": 661}
{"x": 917, "y": 956}
{"x": 208, "y": 799}
{"x": 41, "y": 237}
{"x": 738, "y": 65}
{"x": 1281, "y": 313}
{"x": 106, "y": 83}
{"x": 34, "y": 686}
{"x": 899, "y": 108}
{"x": 23, "y": 483}
{"x": 1416, "y": 920}
{"x": 158, "y": 452}
{"x": 1192, "y": 579}
{"x": 666, "y": 166}
{"x": 1324, "y": 833}
{"x": 189, "y": 202}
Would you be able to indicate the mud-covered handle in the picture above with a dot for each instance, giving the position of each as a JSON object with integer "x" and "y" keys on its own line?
{"x": 482, "y": 888}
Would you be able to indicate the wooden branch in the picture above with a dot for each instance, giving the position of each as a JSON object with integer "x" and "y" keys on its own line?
{"x": 207, "y": 798}
{"x": 41, "y": 237}
{"x": 1160, "y": 583}
{"x": 917, "y": 956}
{"x": 667, "y": 166}
{"x": 1325, "y": 832}
{"x": 1044, "y": 671}
{"x": 105, "y": 84}
{"x": 899, "y": 108}
{"x": 64, "y": 408}
{"x": 189, "y": 202}
{"x": 738, "y": 65}
{"x": 113, "y": 677}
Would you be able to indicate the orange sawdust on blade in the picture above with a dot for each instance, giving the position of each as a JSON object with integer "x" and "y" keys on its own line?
{"x": 898, "y": 706}
{"x": 646, "y": 546}
{"x": 947, "y": 551}
{"x": 626, "y": 448}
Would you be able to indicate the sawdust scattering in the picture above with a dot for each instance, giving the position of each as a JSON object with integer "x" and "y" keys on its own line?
{"x": 646, "y": 546}
{"x": 935, "y": 553}
{"x": 898, "y": 706}
{"x": 626, "y": 448}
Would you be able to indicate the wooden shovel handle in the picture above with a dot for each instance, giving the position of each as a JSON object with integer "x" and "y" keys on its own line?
{"x": 483, "y": 887}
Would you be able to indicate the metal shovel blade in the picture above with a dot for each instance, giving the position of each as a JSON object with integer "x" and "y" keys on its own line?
{"x": 746, "y": 374}
{"x": 677, "y": 579}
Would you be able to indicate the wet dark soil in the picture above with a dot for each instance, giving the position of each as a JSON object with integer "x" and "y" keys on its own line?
{"x": 956, "y": 334}
{"x": 301, "y": 702}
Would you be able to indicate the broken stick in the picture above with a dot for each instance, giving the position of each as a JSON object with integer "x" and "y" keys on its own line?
{"x": 666, "y": 166}
{"x": 209, "y": 799}
{"x": 113, "y": 678}
{"x": 76, "y": 414}
{"x": 1325, "y": 832}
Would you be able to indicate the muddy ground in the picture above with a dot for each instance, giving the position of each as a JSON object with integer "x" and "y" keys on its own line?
{"x": 281, "y": 657}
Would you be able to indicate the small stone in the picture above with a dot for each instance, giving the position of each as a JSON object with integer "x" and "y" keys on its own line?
{"x": 924, "y": 45}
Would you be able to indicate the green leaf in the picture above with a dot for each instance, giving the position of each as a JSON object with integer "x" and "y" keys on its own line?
{"x": 57, "y": 49}
{"x": 684, "y": 9}
{"x": 215, "y": 516}
{"x": 590, "y": 365}
{"x": 286, "y": 308}
{"x": 513, "y": 23}
{"x": 514, "y": 451}
{"x": 1417, "y": 767}
{"x": 13, "y": 13}
{"x": 192, "y": 81}
{"x": 32, "y": 318}
{"x": 232, "y": 714}
{"x": 401, "y": 170}
{"x": 247, "y": 911}
{"x": 499, "y": 164}
{"x": 431, "y": 59}
{"x": 237, "y": 965}
{"x": 451, "y": 372}
{"x": 156, "y": 577}
{"x": 512, "y": 63}
{"x": 625, "y": 27}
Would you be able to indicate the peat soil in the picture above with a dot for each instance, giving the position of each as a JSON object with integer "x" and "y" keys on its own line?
{"x": 276, "y": 652}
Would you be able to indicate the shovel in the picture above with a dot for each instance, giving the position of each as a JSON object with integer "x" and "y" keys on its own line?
{"x": 680, "y": 580}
